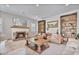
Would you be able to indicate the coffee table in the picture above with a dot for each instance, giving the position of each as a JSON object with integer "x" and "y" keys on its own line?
{"x": 39, "y": 42}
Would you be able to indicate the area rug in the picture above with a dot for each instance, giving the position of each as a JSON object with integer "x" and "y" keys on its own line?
{"x": 43, "y": 48}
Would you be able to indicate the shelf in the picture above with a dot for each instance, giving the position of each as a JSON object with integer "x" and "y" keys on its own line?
{"x": 68, "y": 24}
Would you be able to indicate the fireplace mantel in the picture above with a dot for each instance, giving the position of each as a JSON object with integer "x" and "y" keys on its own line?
{"x": 15, "y": 26}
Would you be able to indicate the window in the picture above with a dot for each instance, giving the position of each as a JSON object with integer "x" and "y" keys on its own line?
{"x": 33, "y": 27}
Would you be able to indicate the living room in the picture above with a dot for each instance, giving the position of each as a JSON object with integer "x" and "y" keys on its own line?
{"x": 36, "y": 29}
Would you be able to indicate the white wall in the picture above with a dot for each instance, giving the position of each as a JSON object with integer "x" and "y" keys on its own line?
{"x": 1, "y": 20}
{"x": 57, "y": 17}
{"x": 8, "y": 22}
{"x": 78, "y": 22}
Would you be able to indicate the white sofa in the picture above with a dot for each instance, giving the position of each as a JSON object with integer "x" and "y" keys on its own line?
{"x": 71, "y": 47}
{"x": 3, "y": 48}
{"x": 3, "y": 41}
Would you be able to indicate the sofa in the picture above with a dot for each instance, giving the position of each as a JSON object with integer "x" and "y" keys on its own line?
{"x": 3, "y": 40}
{"x": 56, "y": 38}
{"x": 72, "y": 47}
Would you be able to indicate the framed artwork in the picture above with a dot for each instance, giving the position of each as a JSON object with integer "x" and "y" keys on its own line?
{"x": 52, "y": 27}
{"x": 52, "y": 24}
{"x": 19, "y": 21}
{"x": 16, "y": 20}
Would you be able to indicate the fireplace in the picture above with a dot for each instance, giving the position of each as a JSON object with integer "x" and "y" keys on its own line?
{"x": 20, "y": 35}
{"x": 19, "y": 32}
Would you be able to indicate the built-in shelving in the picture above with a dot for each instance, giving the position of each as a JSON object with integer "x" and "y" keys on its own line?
{"x": 68, "y": 25}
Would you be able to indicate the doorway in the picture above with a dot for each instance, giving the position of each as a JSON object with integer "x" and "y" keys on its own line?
{"x": 41, "y": 26}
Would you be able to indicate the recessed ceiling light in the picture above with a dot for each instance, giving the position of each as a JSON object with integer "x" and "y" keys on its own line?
{"x": 37, "y": 5}
{"x": 7, "y": 5}
{"x": 67, "y": 4}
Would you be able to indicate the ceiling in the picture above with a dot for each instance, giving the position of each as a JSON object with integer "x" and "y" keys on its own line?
{"x": 40, "y": 11}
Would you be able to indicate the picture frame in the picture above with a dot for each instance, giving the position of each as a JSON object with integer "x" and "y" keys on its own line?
{"x": 52, "y": 24}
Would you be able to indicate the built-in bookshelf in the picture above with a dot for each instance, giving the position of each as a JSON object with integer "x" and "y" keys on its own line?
{"x": 68, "y": 25}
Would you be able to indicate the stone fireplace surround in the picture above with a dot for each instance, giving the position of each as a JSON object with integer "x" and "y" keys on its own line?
{"x": 19, "y": 32}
